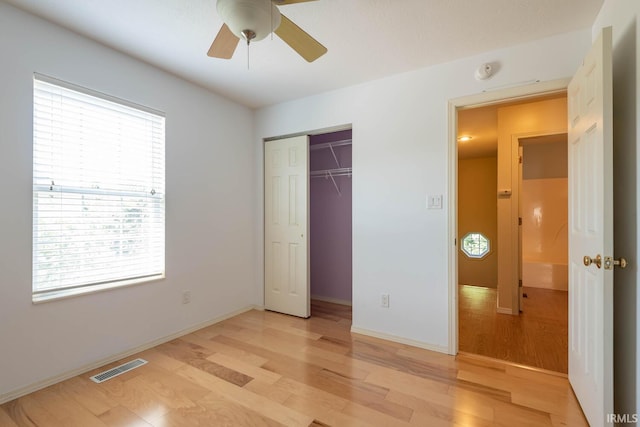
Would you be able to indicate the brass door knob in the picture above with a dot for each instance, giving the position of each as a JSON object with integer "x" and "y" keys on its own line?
{"x": 588, "y": 260}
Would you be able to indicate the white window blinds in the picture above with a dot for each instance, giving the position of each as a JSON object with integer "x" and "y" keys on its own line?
{"x": 98, "y": 190}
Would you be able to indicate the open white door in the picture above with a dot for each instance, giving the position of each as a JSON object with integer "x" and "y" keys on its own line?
{"x": 286, "y": 226}
{"x": 591, "y": 232}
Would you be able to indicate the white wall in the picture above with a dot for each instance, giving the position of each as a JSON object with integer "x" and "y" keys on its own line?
{"x": 623, "y": 15}
{"x": 400, "y": 155}
{"x": 210, "y": 209}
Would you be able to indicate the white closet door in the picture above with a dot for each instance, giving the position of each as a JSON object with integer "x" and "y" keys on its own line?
{"x": 286, "y": 224}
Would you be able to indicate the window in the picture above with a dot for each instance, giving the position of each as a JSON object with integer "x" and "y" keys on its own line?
{"x": 475, "y": 245}
{"x": 98, "y": 191}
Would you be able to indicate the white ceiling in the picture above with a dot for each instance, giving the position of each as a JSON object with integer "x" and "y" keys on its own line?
{"x": 367, "y": 39}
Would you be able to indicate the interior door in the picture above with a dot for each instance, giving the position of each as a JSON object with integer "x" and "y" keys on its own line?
{"x": 286, "y": 225}
{"x": 591, "y": 232}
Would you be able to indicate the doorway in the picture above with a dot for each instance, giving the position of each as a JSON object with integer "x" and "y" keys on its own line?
{"x": 498, "y": 263}
{"x": 308, "y": 238}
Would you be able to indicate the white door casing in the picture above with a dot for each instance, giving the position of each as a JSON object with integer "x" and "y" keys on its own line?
{"x": 286, "y": 225}
{"x": 520, "y": 216}
{"x": 589, "y": 97}
{"x": 516, "y": 93}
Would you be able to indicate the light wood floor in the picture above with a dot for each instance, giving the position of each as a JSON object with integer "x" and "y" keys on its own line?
{"x": 538, "y": 337}
{"x": 267, "y": 369}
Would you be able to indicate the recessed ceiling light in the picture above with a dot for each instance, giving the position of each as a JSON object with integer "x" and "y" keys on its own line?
{"x": 464, "y": 138}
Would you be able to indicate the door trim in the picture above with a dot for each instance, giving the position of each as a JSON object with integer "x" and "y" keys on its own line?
{"x": 478, "y": 100}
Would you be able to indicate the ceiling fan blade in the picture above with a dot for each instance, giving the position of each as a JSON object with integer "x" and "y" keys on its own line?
{"x": 306, "y": 46}
{"x": 284, "y": 2}
{"x": 224, "y": 44}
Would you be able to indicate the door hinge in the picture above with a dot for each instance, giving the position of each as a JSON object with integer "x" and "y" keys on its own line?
{"x": 519, "y": 283}
{"x": 520, "y": 221}
{"x": 520, "y": 159}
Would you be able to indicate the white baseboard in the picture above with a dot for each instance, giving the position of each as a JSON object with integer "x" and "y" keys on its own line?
{"x": 503, "y": 310}
{"x": 11, "y": 395}
{"x": 331, "y": 300}
{"x": 401, "y": 340}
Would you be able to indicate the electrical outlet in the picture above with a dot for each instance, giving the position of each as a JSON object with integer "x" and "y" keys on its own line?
{"x": 186, "y": 297}
{"x": 384, "y": 300}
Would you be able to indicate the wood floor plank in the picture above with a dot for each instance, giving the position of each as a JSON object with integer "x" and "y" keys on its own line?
{"x": 236, "y": 353}
{"x": 152, "y": 395}
{"x": 442, "y": 405}
{"x": 510, "y": 415}
{"x": 196, "y": 355}
{"x": 121, "y": 416}
{"x": 321, "y": 398}
{"x": 5, "y": 419}
{"x": 251, "y": 371}
{"x": 246, "y": 398}
{"x": 426, "y": 413}
{"x": 27, "y": 411}
{"x": 552, "y": 403}
{"x": 290, "y": 329}
{"x": 270, "y": 391}
{"x": 158, "y": 358}
{"x": 214, "y": 410}
{"x": 83, "y": 391}
{"x": 174, "y": 388}
{"x": 401, "y": 381}
{"x": 420, "y": 419}
{"x": 322, "y": 415}
{"x": 267, "y": 369}
{"x": 65, "y": 410}
{"x": 379, "y": 415}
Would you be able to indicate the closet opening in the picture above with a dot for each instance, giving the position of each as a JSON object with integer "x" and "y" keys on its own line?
{"x": 330, "y": 216}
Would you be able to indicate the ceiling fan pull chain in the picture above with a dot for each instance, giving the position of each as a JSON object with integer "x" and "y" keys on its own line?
{"x": 248, "y": 35}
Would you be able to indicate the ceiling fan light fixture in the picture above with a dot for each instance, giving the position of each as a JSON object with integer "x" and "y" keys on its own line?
{"x": 249, "y": 17}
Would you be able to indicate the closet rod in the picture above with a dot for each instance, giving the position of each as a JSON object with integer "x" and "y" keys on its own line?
{"x": 325, "y": 173}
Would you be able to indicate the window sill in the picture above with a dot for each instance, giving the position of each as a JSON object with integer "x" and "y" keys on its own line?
{"x": 58, "y": 294}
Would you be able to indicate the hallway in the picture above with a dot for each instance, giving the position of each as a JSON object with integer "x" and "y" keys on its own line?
{"x": 538, "y": 337}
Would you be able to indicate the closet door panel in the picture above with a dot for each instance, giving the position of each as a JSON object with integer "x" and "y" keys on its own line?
{"x": 287, "y": 226}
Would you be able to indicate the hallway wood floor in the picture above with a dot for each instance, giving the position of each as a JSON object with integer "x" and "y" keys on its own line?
{"x": 538, "y": 337}
{"x": 267, "y": 369}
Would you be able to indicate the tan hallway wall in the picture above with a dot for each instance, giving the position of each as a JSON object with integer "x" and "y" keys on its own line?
{"x": 536, "y": 118}
{"x": 477, "y": 212}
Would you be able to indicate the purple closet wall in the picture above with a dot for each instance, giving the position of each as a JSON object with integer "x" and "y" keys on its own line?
{"x": 330, "y": 218}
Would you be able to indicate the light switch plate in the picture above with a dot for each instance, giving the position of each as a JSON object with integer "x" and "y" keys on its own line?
{"x": 434, "y": 201}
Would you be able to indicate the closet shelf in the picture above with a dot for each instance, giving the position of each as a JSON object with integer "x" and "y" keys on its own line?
{"x": 330, "y": 145}
{"x": 337, "y": 171}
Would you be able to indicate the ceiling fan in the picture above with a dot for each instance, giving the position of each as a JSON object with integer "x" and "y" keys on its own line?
{"x": 253, "y": 20}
